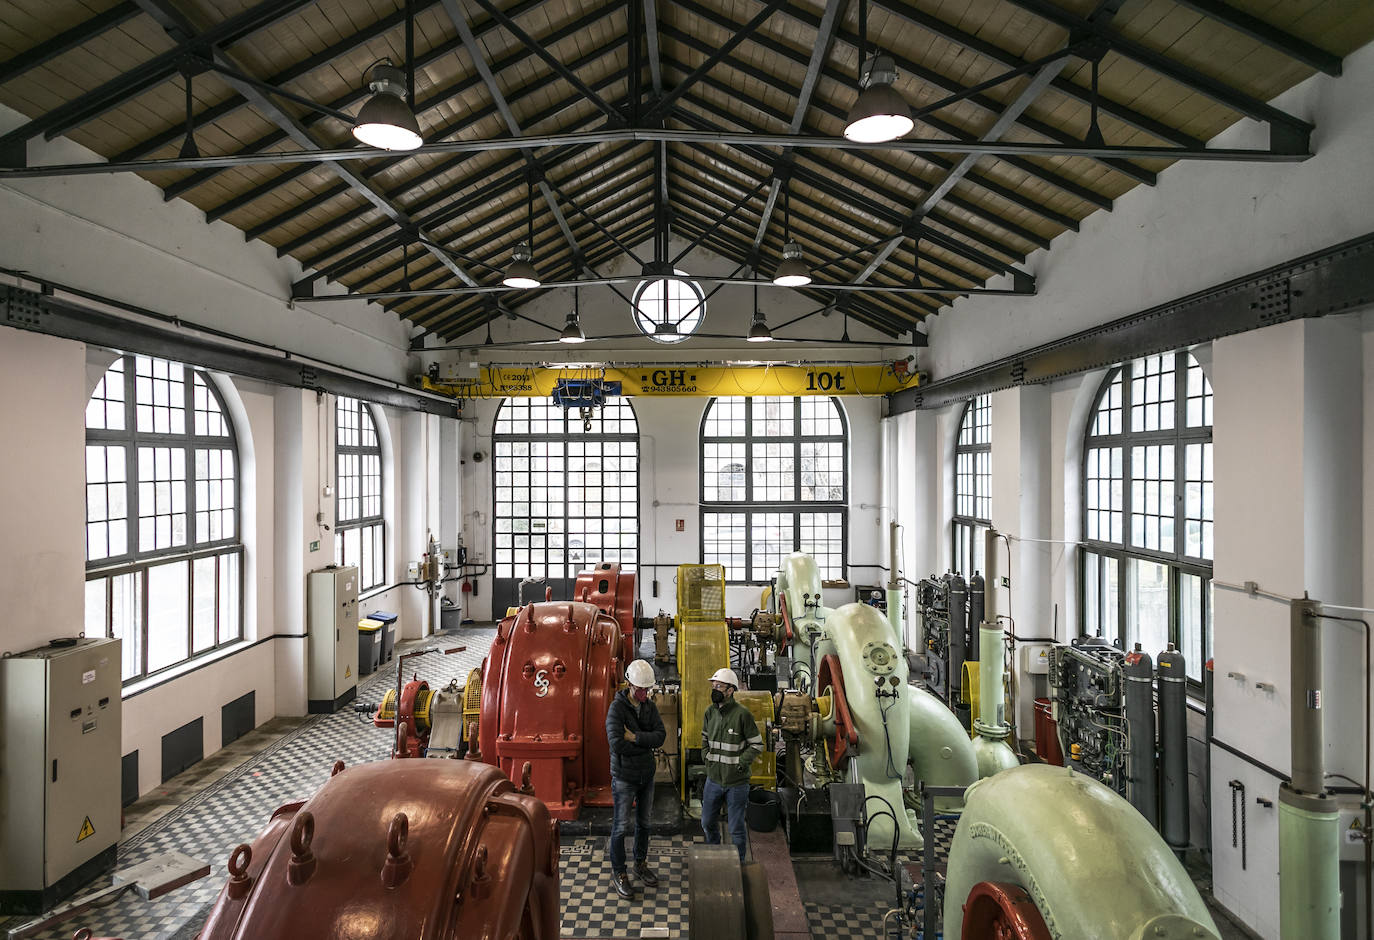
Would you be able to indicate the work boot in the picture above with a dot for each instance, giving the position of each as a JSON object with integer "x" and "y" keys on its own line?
{"x": 623, "y": 886}
{"x": 646, "y": 874}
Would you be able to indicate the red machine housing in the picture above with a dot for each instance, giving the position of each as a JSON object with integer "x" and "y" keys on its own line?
{"x": 547, "y": 684}
{"x": 613, "y": 591}
{"x": 398, "y": 850}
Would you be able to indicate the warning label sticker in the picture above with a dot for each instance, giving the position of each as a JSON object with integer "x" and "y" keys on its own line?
{"x": 87, "y": 830}
{"x": 348, "y": 671}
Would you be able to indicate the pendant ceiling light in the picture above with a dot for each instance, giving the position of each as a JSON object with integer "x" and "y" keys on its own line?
{"x": 386, "y": 120}
{"x": 522, "y": 274}
{"x": 572, "y": 330}
{"x": 880, "y": 113}
{"x": 792, "y": 271}
{"x": 759, "y": 331}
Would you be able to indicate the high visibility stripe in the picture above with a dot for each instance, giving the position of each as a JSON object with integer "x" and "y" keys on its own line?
{"x": 728, "y": 746}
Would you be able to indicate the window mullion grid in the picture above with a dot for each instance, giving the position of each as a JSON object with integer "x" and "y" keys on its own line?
{"x": 143, "y": 622}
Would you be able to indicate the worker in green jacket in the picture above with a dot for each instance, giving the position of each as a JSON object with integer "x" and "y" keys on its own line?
{"x": 730, "y": 741}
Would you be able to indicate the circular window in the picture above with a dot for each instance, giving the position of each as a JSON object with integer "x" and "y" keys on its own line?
{"x": 669, "y": 309}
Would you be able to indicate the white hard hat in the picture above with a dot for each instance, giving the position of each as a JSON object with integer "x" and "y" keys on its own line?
{"x": 640, "y": 674}
{"x": 727, "y": 676}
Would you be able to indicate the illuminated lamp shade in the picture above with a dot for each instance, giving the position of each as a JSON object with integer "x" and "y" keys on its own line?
{"x": 792, "y": 271}
{"x": 385, "y": 120}
{"x": 759, "y": 332}
{"x": 572, "y": 331}
{"x": 880, "y": 114}
{"x": 521, "y": 273}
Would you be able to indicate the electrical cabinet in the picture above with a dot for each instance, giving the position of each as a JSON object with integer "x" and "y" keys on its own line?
{"x": 59, "y": 770}
{"x": 332, "y": 673}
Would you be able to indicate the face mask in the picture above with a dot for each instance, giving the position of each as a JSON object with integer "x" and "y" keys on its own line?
{"x": 717, "y": 696}
{"x": 639, "y": 695}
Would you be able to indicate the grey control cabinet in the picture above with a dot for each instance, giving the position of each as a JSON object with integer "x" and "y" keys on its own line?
{"x": 59, "y": 770}
{"x": 332, "y": 673}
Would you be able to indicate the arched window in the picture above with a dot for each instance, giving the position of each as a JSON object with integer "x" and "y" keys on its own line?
{"x": 164, "y": 566}
{"x": 566, "y": 496}
{"x": 774, "y": 480}
{"x": 359, "y": 529}
{"x": 972, "y": 486}
{"x": 1147, "y": 509}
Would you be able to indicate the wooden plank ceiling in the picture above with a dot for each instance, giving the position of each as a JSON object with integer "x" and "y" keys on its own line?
{"x": 109, "y": 75}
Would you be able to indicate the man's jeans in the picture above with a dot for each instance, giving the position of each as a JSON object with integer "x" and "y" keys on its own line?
{"x": 626, "y": 795}
{"x": 736, "y": 800}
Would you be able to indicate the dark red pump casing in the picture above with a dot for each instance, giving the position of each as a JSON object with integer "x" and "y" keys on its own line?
{"x": 398, "y": 850}
{"x": 547, "y": 684}
{"x": 613, "y": 591}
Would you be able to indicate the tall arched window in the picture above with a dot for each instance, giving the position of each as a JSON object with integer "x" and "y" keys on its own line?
{"x": 774, "y": 480}
{"x": 359, "y": 529}
{"x": 566, "y": 496}
{"x": 1147, "y": 509}
{"x": 164, "y": 566}
{"x": 972, "y": 486}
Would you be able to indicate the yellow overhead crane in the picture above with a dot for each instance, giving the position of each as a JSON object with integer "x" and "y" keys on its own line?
{"x": 674, "y": 381}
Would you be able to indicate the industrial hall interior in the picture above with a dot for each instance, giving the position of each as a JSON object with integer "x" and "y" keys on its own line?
{"x": 711, "y": 469}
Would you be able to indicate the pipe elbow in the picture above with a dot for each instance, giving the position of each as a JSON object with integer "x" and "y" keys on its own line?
{"x": 1064, "y": 837}
{"x": 941, "y": 753}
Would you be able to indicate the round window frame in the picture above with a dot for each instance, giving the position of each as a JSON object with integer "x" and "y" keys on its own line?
{"x": 639, "y": 316}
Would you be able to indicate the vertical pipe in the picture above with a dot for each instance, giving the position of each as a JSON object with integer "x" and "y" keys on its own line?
{"x": 1309, "y": 826}
{"x": 1173, "y": 748}
{"x": 991, "y": 702}
{"x": 990, "y": 576}
{"x": 894, "y": 588}
{"x": 976, "y": 589}
{"x": 1142, "y": 786}
{"x": 1305, "y": 657}
{"x": 958, "y": 636}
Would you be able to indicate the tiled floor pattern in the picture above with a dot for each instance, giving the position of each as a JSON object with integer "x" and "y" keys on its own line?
{"x": 288, "y": 759}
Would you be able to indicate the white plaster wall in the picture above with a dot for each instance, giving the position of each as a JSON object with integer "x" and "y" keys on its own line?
{"x": 42, "y": 486}
{"x": 1201, "y": 225}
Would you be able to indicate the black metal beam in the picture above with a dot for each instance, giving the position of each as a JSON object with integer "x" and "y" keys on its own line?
{"x": 1128, "y": 116}
{"x": 491, "y": 238}
{"x": 435, "y": 99}
{"x": 1281, "y": 154}
{"x": 937, "y": 80}
{"x": 456, "y": 324}
{"x": 664, "y": 104}
{"x": 820, "y": 51}
{"x": 1161, "y": 64}
{"x": 563, "y": 71}
{"x": 67, "y": 40}
{"x": 156, "y": 70}
{"x": 52, "y": 316}
{"x": 1266, "y": 33}
{"x": 1336, "y": 280}
{"x": 888, "y": 170}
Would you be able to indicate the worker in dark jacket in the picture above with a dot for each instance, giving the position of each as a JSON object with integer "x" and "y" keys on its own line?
{"x": 634, "y": 730}
{"x": 730, "y": 741}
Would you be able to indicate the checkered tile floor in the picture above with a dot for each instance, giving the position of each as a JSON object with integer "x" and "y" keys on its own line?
{"x": 234, "y": 808}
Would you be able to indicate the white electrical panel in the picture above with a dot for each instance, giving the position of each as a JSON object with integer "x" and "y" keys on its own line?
{"x": 1035, "y": 658}
{"x": 332, "y": 678}
{"x": 59, "y": 770}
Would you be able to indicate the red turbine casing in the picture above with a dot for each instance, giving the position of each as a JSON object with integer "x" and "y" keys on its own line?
{"x": 547, "y": 684}
{"x": 473, "y": 858}
{"x": 612, "y": 590}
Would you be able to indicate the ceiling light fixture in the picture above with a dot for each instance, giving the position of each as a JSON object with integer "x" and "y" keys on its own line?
{"x": 759, "y": 331}
{"x": 385, "y": 120}
{"x": 880, "y": 113}
{"x": 522, "y": 274}
{"x": 572, "y": 330}
{"x": 792, "y": 271}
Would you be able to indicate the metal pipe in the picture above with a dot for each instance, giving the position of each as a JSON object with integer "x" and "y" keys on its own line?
{"x": 1173, "y": 748}
{"x": 894, "y": 588}
{"x": 1141, "y": 771}
{"x": 1309, "y": 825}
{"x": 991, "y": 748}
{"x": 1305, "y": 658}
